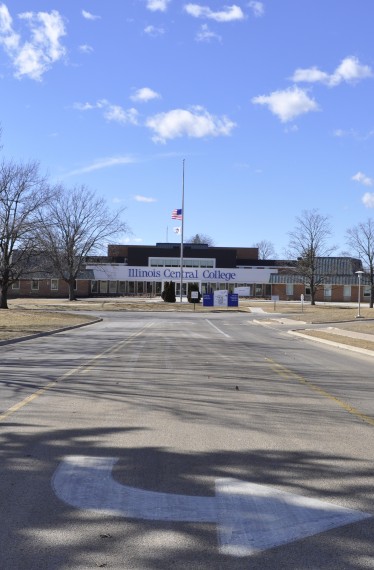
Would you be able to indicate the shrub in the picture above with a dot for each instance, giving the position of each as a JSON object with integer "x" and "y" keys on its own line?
{"x": 168, "y": 294}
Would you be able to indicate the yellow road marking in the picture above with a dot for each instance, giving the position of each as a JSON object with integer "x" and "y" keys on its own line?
{"x": 113, "y": 349}
{"x": 35, "y": 395}
{"x": 288, "y": 374}
{"x": 82, "y": 369}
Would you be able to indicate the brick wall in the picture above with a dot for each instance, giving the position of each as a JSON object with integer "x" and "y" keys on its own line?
{"x": 337, "y": 293}
{"x": 44, "y": 290}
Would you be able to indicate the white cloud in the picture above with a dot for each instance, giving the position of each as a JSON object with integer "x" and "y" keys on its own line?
{"x": 206, "y": 35}
{"x": 111, "y": 112}
{"x": 5, "y": 20}
{"x": 88, "y": 16}
{"x": 120, "y": 115}
{"x": 130, "y": 240}
{"x": 85, "y": 48}
{"x": 257, "y": 8}
{"x": 84, "y": 106}
{"x": 291, "y": 129}
{"x": 368, "y": 199}
{"x": 157, "y": 5}
{"x": 34, "y": 57}
{"x": 287, "y": 104}
{"x": 101, "y": 163}
{"x": 228, "y": 14}
{"x": 145, "y": 199}
{"x": 153, "y": 31}
{"x": 145, "y": 94}
{"x": 311, "y": 75}
{"x": 350, "y": 70}
{"x": 194, "y": 123}
{"x": 363, "y": 179}
{"x": 340, "y": 133}
{"x": 8, "y": 37}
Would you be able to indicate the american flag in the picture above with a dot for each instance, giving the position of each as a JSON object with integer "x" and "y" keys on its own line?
{"x": 176, "y": 214}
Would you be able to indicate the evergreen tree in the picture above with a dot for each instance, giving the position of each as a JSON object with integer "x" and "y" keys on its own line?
{"x": 168, "y": 294}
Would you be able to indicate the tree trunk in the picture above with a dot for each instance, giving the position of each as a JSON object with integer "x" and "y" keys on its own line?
{"x": 71, "y": 291}
{"x": 312, "y": 294}
{"x": 4, "y": 297}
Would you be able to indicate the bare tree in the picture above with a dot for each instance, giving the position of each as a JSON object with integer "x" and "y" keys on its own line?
{"x": 309, "y": 241}
{"x": 265, "y": 249}
{"x": 201, "y": 238}
{"x": 23, "y": 193}
{"x": 76, "y": 224}
{"x": 360, "y": 239}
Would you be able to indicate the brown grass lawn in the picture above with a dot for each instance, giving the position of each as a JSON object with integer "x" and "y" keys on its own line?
{"x": 18, "y": 322}
{"x": 343, "y": 315}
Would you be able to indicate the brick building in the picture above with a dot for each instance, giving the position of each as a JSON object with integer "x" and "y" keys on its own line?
{"x": 336, "y": 277}
{"x": 143, "y": 270}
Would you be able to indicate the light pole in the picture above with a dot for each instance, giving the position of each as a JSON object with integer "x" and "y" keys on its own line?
{"x": 359, "y": 275}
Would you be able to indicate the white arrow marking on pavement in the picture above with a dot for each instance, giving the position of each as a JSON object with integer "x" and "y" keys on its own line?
{"x": 250, "y": 517}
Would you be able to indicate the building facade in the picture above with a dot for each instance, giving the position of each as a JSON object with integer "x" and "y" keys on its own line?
{"x": 143, "y": 270}
{"x": 136, "y": 270}
{"x": 336, "y": 277}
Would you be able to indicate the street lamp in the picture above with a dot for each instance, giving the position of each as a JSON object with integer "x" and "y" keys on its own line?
{"x": 359, "y": 275}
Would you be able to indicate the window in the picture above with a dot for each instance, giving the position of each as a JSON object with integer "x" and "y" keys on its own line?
{"x": 104, "y": 287}
{"x": 347, "y": 291}
{"x": 16, "y": 284}
{"x": 54, "y": 284}
{"x": 307, "y": 291}
{"x": 366, "y": 290}
{"x": 94, "y": 287}
{"x": 258, "y": 290}
{"x": 156, "y": 262}
{"x": 35, "y": 284}
{"x": 328, "y": 291}
{"x": 289, "y": 289}
{"x": 175, "y": 262}
{"x": 207, "y": 263}
{"x": 113, "y": 287}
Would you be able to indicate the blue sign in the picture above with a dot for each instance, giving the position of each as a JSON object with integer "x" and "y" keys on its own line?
{"x": 208, "y": 300}
{"x": 233, "y": 300}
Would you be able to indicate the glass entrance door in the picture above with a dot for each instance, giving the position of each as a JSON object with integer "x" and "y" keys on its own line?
{"x": 178, "y": 289}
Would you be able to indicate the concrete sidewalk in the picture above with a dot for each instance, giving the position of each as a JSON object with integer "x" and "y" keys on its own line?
{"x": 340, "y": 338}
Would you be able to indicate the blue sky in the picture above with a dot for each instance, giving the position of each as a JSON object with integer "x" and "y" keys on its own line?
{"x": 269, "y": 102}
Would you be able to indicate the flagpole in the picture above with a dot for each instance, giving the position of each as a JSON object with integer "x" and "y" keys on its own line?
{"x": 181, "y": 284}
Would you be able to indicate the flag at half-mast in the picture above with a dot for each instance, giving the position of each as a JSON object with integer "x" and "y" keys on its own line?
{"x": 176, "y": 214}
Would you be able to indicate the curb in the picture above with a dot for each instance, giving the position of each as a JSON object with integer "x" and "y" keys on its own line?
{"x": 48, "y": 333}
{"x": 332, "y": 343}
